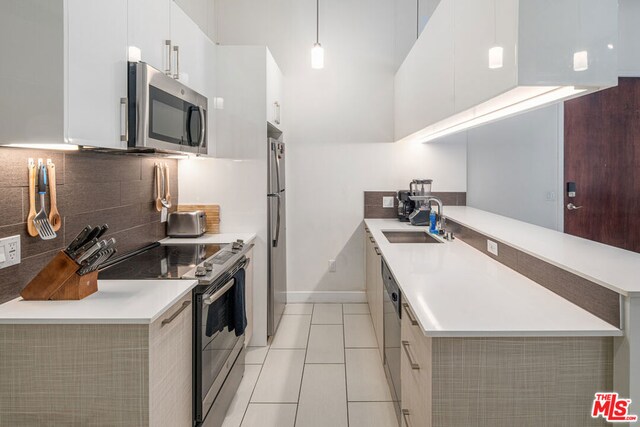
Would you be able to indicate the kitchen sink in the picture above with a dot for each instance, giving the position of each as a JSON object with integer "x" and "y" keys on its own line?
{"x": 410, "y": 237}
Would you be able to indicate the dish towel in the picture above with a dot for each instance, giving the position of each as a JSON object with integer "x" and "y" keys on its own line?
{"x": 239, "y": 322}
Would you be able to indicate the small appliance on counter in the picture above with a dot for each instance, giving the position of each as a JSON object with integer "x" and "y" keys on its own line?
{"x": 412, "y": 206}
{"x": 405, "y": 205}
{"x": 187, "y": 224}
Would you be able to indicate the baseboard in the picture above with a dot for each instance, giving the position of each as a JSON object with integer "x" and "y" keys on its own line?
{"x": 321, "y": 296}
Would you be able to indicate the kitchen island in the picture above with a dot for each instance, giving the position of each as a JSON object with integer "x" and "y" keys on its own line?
{"x": 120, "y": 357}
{"x": 482, "y": 344}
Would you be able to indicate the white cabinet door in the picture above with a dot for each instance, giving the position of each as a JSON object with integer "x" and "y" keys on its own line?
{"x": 210, "y": 92}
{"x": 189, "y": 50}
{"x": 149, "y": 26}
{"x": 96, "y": 71}
{"x": 275, "y": 92}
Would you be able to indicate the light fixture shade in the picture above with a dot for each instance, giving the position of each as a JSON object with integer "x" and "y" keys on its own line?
{"x": 317, "y": 56}
{"x": 496, "y": 55}
{"x": 581, "y": 61}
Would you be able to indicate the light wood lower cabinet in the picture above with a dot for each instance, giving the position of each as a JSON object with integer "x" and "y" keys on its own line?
{"x": 501, "y": 381}
{"x": 116, "y": 375}
{"x": 375, "y": 288}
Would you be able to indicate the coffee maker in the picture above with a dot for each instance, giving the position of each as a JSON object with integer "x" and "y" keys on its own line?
{"x": 405, "y": 205}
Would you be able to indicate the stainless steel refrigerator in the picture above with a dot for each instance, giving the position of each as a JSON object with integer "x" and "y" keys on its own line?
{"x": 277, "y": 235}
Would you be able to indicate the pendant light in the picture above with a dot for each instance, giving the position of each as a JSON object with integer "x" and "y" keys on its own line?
{"x": 496, "y": 53}
{"x": 317, "y": 52}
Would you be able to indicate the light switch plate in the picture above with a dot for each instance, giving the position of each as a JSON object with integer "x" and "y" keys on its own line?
{"x": 387, "y": 202}
{"x": 9, "y": 251}
{"x": 492, "y": 247}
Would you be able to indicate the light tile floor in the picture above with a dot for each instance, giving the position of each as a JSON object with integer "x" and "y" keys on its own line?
{"x": 322, "y": 369}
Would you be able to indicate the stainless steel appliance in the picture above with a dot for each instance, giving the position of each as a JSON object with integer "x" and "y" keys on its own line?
{"x": 164, "y": 114}
{"x": 405, "y": 205}
{"x": 277, "y": 235}
{"x": 391, "y": 303}
{"x": 219, "y": 317}
{"x": 420, "y": 189}
{"x": 186, "y": 224}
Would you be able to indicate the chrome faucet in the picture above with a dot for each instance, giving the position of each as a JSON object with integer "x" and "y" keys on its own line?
{"x": 440, "y": 210}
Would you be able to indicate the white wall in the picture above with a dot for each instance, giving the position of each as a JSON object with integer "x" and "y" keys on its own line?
{"x": 340, "y": 128}
{"x": 513, "y": 165}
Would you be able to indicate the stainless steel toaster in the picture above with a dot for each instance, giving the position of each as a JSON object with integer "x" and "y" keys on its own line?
{"x": 186, "y": 224}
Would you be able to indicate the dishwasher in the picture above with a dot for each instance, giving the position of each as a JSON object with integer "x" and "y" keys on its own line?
{"x": 392, "y": 341}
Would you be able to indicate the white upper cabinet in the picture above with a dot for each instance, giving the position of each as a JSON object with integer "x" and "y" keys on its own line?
{"x": 149, "y": 23}
{"x": 249, "y": 83}
{"x": 551, "y": 50}
{"x": 67, "y": 73}
{"x": 275, "y": 92}
{"x": 96, "y": 72}
{"x": 190, "y": 46}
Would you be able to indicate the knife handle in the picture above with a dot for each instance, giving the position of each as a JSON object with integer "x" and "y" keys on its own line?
{"x": 42, "y": 180}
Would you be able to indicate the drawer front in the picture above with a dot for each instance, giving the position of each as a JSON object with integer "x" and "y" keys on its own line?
{"x": 170, "y": 366}
{"x": 416, "y": 372}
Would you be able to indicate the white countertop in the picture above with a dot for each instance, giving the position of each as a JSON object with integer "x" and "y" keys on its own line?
{"x": 457, "y": 291}
{"x": 117, "y": 301}
{"x": 210, "y": 239}
{"x": 611, "y": 267}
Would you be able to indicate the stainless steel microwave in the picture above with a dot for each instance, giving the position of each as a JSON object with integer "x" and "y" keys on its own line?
{"x": 164, "y": 114}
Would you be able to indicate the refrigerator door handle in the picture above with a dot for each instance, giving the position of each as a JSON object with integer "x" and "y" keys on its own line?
{"x": 276, "y": 235}
{"x": 274, "y": 149}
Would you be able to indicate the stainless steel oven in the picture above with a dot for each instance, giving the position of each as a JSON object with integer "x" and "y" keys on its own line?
{"x": 218, "y": 346}
{"x": 164, "y": 114}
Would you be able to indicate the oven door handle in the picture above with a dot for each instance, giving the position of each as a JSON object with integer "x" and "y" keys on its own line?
{"x": 216, "y": 295}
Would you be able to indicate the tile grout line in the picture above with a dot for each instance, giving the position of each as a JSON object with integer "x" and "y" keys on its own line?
{"x": 344, "y": 353}
{"x": 304, "y": 363}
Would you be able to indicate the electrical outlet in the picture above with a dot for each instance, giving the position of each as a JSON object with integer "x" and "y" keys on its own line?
{"x": 387, "y": 202}
{"x": 9, "y": 251}
{"x": 492, "y": 247}
{"x": 332, "y": 266}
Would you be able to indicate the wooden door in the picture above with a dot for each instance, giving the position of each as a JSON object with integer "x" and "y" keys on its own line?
{"x": 602, "y": 156}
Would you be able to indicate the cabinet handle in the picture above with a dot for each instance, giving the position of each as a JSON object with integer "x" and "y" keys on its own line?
{"x": 407, "y": 310}
{"x": 174, "y": 315}
{"x": 371, "y": 239}
{"x": 414, "y": 365}
{"x": 277, "y": 112}
{"x": 377, "y": 251}
{"x": 167, "y": 68}
{"x": 124, "y": 120}
{"x": 405, "y": 417}
{"x": 176, "y": 49}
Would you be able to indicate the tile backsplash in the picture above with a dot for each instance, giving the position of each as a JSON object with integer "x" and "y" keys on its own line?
{"x": 93, "y": 188}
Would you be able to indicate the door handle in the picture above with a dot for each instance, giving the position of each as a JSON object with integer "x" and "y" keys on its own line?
{"x": 414, "y": 365}
{"x": 124, "y": 120}
{"x": 203, "y": 126}
{"x": 167, "y": 69}
{"x": 573, "y": 207}
{"x": 275, "y": 241}
{"x": 176, "y": 49}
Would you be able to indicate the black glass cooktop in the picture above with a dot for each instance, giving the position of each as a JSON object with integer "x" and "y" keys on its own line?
{"x": 159, "y": 262}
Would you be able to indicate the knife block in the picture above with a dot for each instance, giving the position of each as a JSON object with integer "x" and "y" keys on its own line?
{"x": 59, "y": 280}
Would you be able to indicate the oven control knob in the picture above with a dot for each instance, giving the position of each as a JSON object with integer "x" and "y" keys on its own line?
{"x": 235, "y": 247}
{"x": 201, "y": 271}
{"x": 208, "y": 265}
{"x": 240, "y": 241}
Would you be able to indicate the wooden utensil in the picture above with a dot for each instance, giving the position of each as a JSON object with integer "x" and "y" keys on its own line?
{"x": 54, "y": 215}
{"x": 167, "y": 185}
{"x": 158, "y": 188}
{"x": 31, "y": 229}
